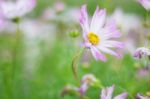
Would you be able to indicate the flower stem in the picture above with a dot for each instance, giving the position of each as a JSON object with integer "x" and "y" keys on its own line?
{"x": 75, "y": 62}
{"x": 15, "y": 53}
{"x": 15, "y": 50}
{"x": 147, "y": 19}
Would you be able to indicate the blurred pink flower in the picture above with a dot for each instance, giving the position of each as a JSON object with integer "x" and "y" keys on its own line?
{"x": 145, "y": 4}
{"x": 2, "y": 23}
{"x": 125, "y": 21}
{"x": 98, "y": 36}
{"x": 69, "y": 89}
{"x": 2, "y": 20}
{"x": 106, "y": 93}
{"x": 17, "y": 9}
{"x": 83, "y": 88}
{"x": 139, "y": 96}
{"x": 88, "y": 78}
{"x": 51, "y": 14}
{"x": 143, "y": 73}
{"x": 141, "y": 52}
{"x": 86, "y": 81}
{"x": 59, "y": 6}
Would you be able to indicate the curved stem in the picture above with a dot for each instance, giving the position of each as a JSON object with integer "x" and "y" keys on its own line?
{"x": 75, "y": 62}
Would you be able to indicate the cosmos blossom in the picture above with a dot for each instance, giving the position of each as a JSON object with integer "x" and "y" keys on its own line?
{"x": 141, "y": 52}
{"x": 99, "y": 36}
{"x": 86, "y": 82}
{"x": 145, "y": 4}
{"x": 17, "y": 9}
{"x": 2, "y": 20}
{"x": 2, "y": 23}
{"x": 140, "y": 96}
{"x": 106, "y": 93}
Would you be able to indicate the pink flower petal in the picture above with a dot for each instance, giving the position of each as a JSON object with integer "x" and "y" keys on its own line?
{"x": 103, "y": 94}
{"x": 121, "y": 96}
{"x": 97, "y": 54}
{"x": 25, "y": 6}
{"x": 139, "y": 96}
{"x": 110, "y": 92}
{"x": 107, "y": 93}
{"x": 112, "y": 31}
{"x": 145, "y": 4}
{"x": 84, "y": 20}
{"x": 83, "y": 88}
{"x": 141, "y": 52}
{"x": 19, "y": 8}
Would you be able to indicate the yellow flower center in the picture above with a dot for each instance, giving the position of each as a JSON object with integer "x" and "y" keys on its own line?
{"x": 93, "y": 38}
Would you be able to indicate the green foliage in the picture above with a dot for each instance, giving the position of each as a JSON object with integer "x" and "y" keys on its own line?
{"x": 53, "y": 68}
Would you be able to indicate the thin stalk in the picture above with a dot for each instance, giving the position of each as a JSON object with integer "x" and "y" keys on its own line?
{"x": 15, "y": 53}
{"x": 15, "y": 50}
{"x": 147, "y": 19}
{"x": 75, "y": 62}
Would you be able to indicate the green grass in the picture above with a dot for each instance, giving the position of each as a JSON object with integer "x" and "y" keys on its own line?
{"x": 53, "y": 71}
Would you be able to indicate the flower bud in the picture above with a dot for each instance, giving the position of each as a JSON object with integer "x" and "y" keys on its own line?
{"x": 74, "y": 34}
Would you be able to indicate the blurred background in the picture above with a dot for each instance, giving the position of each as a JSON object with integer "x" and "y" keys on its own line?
{"x": 38, "y": 64}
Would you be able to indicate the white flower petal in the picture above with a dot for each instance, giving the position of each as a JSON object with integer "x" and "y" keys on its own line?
{"x": 98, "y": 20}
{"x": 106, "y": 50}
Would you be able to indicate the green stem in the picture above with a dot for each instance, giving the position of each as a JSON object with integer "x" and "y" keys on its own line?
{"x": 75, "y": 62}
{"x": 8, "y": 84}
{"x": 9, "y": 71}
{"x": 147, "y": 19}
{"x": 15, "y": 50}
{"x": 15, "y": 58}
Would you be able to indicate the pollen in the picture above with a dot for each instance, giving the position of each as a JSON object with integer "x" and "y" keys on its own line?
{"x": 93, "y": 38}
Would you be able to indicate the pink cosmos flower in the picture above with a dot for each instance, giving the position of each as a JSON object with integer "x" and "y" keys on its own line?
{"x": 59, "y": 6}
{"x": 145, "y": 4}
{"x": 83, "y": 88}
{"x": 2, "y": 23}
{"x": 99, "y": 35}
{"x": 17, "y": 9}
{"x": 69, "y": 89}
{"x": 86, "y": 82}
{"x": 141, "y": 52}
{"x": 2, "y": 20}
{"x": 140, "y": 96}
{"x": 106, "y": 93}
